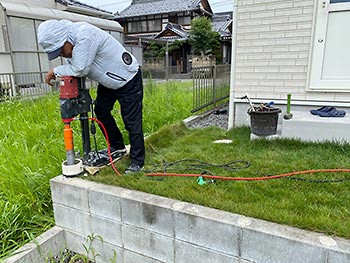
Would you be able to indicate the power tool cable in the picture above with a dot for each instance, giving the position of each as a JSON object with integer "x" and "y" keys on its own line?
{"x": 188, "y": 164}
{"x": 108, "y": 145}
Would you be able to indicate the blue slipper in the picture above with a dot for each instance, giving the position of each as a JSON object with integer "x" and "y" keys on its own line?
{"x": 322, "y": 109}
{"x": 332, "y": 113}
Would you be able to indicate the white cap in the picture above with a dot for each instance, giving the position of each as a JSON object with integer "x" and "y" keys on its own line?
{"x": 52, "y": 34}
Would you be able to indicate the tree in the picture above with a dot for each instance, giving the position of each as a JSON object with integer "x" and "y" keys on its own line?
{"x": 154, "y": 50}
{"x": 202, "y": 37}
{"x": 176, "y": 45}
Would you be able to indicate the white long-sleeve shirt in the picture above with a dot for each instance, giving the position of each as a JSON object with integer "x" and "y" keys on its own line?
{"x": 99, "y": 56}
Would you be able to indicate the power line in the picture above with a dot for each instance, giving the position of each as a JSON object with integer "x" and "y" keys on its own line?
{"x": 225, "y": 2}
{"x": 222, "y": 3}
{"x": 120, "y": 2}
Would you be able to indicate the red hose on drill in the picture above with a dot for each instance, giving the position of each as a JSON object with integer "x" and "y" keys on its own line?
{"x": 108, "y": 146}
{"x": 251, "y": 178}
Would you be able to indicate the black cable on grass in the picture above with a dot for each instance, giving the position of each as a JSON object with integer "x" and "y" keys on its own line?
{"x": 316, "y": 180}
{"x": 190, "y": 164}
{"x": 320, "y": 180}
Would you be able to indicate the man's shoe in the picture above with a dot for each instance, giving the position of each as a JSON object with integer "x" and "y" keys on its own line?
{"x": 134, "y": 168}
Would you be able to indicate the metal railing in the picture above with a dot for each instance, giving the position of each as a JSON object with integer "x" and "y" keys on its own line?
{"x": 211, "y": 85}
{"x": 29, "y": 84}
{"x": 23, "y": 84}
{"x": 171, "y": 72}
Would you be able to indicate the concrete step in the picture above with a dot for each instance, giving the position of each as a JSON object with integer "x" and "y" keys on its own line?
{"x": 308, "y": 127}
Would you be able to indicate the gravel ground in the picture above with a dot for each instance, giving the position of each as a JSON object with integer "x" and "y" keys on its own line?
{"x": 218, "y": 117}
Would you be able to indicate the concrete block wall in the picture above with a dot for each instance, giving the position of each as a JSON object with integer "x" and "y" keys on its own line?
{"x": 138, "y": 227}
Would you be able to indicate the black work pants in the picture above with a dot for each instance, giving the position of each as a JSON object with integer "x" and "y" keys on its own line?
{"x": 130, "y": 99}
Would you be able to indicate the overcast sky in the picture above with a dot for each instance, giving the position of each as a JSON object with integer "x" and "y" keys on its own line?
{"x": 118, "y": 5}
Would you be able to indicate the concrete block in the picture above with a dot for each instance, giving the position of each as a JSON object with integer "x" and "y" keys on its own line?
{"x": 202, "y": 226}
{"x": 146, "y": 211}
{"x": 72, "y": 219}
{"x": 107, "y": 252}
{"x": 104, "y": 201}
{"x": 148, "y": 243}
{"x": 338, "y": 257}
{"x": 131, "y": 257}
{"x": 186, "y": 252}
{"x": 92, "y": 246}
{"x": 71, "y": 192}
{"x": 266, "y": 242}
{"x": 110, "y": 231}
{"x": 76, "y": 242}
{"x": 339, "y": 249}
{"x": 48, "y": 244}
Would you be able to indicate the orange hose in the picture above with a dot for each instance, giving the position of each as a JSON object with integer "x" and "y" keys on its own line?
{"x": 251, "y": 178}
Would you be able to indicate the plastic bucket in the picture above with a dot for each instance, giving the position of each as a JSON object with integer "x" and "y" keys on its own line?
{"x": 264, "y": 122}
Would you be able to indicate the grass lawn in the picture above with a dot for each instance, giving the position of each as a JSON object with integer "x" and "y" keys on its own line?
{"x": 306, "y": 201}
{"x": 32, "y": 150}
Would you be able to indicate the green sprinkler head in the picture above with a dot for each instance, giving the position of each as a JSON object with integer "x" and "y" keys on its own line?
{"x": 201, "y": 181}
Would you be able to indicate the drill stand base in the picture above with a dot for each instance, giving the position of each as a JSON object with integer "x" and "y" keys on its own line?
{"x": 101, "y": 160}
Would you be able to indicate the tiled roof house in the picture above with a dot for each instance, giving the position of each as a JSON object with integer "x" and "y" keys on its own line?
{"x": 222, "y": 23}
{"x": 165, "y": 20}
{"x": 147, "y": 18}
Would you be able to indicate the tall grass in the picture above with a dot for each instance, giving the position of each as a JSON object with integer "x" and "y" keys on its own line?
{"x": 32, "y": 150}
{"x": 30, "y": 153}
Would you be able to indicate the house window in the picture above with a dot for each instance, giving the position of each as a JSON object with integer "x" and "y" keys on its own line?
{"x": 134, "y": 27}
{"x": 173, "y": 19}
{"x": 184, "y": 20}
{"x": 143, "y": 26}
{"x": 154, "y": 25}
{"x": 130, "y": 29}
{"x": 330, "y": 61}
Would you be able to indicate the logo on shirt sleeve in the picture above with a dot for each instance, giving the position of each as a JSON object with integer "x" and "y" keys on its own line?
{"x": 127, "y": 59}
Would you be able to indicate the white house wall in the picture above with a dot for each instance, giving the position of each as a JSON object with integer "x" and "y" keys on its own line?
{"x": 43, "y": 3}
{"x": 273, "y": 45}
